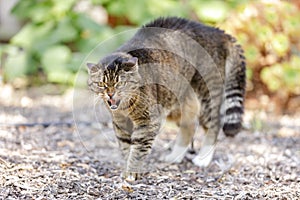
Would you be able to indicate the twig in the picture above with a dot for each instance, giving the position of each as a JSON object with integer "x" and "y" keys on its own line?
{"x": 4, "y": 163}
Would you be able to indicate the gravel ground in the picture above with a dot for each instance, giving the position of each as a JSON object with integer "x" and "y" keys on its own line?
{"x": 45, "y": 156}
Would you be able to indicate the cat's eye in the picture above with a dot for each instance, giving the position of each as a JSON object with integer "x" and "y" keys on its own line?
{"x": 102, "y": 85}
{"x": 120, "y": 84}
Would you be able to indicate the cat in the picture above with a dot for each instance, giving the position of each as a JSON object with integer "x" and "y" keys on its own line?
{"x": 171, "y": 68}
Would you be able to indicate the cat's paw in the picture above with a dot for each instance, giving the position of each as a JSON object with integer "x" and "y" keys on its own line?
{"x": 202, "y": 162}
{"x": 204, "y": 158}
{"x": 177, "y": 154}
{"x": 130, "y": 176}
{"x": 172, "y": 158}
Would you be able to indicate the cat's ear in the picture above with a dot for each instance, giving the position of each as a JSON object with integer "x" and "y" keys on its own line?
{"x": 92, "y": 68}
{"x": 130, "y": 65}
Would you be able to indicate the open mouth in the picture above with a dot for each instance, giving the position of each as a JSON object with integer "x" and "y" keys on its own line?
{"x": 113, "y": 103}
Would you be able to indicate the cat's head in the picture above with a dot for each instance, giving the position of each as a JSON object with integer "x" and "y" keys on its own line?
{"x": 115, "y": 78}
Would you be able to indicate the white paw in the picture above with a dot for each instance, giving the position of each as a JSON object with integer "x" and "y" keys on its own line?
{"x": 176, "y": 155}
{"x": 205, "y": 156}
{"x": 171, "y": 158}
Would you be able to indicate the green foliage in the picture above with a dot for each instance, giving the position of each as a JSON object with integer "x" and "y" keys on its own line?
{"x": 285, "y": 75}
{"x": 51, "y": 40}
{"x": 56, "y": 37}
{"x": 139, "y": 12}
{"x": 17, "y": 62}
{"x": 210, "y": 11}
{"x": 269, "y": 33}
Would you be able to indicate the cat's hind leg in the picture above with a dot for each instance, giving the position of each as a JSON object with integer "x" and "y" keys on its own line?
{"x": 188, "y": 124}
{"x": 210, "y": 120}
{"x": 206, "y": 153}
{"x": 183, "y": 139}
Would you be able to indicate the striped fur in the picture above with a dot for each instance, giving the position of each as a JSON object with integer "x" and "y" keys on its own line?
{"x": 154, "y": 68}
{"x": 234, "y": 91}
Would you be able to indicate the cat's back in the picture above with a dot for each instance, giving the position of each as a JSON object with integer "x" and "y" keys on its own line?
{"x": 201, "y": 33}
{"x": 179, "y": 35}
{"x": 177, "y": 23}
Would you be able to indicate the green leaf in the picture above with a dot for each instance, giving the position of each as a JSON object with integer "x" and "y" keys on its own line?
{"x": 280, "y": 44}
{"x": 36, "y": 11}
{"x": 252, "y": 53}
{"x": 118, "y": 7}
{"x": 271, "y": 15}
{"x": 160, "y": 8}
{"x": 290, "y": 76}
{"x": 265, "y": 34}
{"x": 271, "y": 76}
{"x": 56, "y": 58}
{"x": 41, "y": 12}
{"x": 61, "y": 8}
{"x": 213, "y": 11}
{"x": 22, "y": 9}
{"x": 55, "y": 62}
{"x": 249, "y": 73}
{"x": 31, "y": 33}
{"x": 76, "y": 61}
{"x": 18, "y": 63}
{"x": 61, "y": 76}
{"x": 137, "y": 11}
{"x": 65, "y": 31}
{"x": 83, "y": 22}
{"x": 90, "y": 39}
{"x": 101, "y": 2}
{"x": 295, "y": 62}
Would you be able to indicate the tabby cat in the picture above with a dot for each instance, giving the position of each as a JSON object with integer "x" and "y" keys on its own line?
{"x": 177, "y": 69}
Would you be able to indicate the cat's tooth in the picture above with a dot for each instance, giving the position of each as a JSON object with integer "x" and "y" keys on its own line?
{"x": 113, "y": 107}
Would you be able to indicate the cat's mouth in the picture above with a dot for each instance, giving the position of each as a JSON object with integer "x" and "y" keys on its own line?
{"x": 114, "y": 104}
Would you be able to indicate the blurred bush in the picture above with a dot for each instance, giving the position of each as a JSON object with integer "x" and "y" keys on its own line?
{"x": 269, "y": 32}
{"x": 54, "y": 41}
{"x": 58, "y": 35}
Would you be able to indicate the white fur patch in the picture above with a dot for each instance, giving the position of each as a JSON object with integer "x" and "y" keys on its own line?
{"x": 177, "y": 154}
{"x": 205, "y": 156}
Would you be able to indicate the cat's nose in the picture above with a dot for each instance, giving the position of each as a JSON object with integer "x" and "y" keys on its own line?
{"x": 110, "y": 94}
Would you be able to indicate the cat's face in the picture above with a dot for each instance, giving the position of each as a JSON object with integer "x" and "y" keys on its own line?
{"x": 115, "y": 79}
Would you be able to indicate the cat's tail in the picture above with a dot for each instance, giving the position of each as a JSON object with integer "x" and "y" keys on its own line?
{"x": 234, "y": 90}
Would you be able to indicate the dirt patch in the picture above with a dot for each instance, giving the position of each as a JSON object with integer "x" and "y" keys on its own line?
{"x": 47, "y": 156}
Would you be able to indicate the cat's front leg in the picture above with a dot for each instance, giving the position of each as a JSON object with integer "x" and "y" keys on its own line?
{"x": 123, "y": 129}
{"x": 141, "y": 144}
